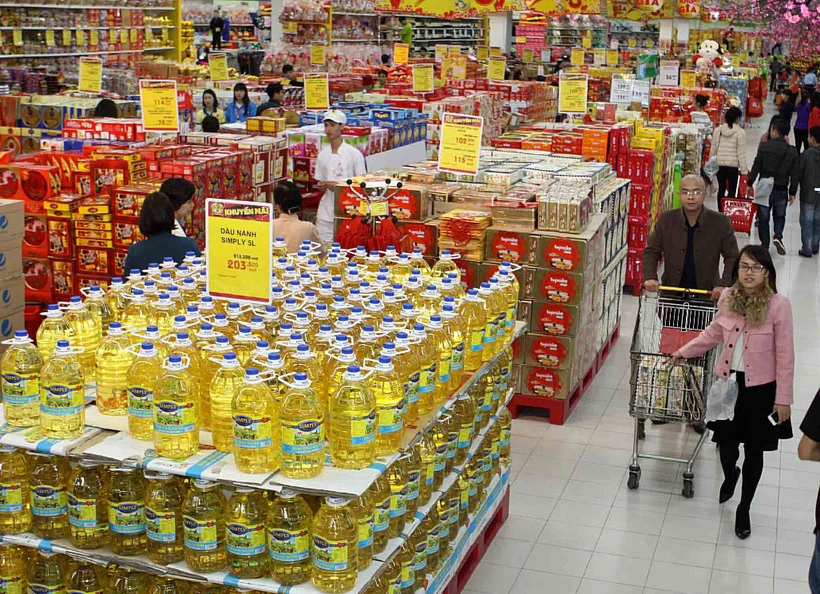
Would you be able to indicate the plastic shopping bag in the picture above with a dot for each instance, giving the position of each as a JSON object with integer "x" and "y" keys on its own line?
{"x": 720, "y": 404}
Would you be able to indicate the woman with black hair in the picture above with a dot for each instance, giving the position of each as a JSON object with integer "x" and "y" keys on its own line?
{"x": 210, "y": 107}
{"x": 106, "y": 108}
{"x": 157, "y": 225}
{"x": 241, "y": 108}
{"x": 729, "y": 149}
{"x": 754, "y": 323}
{"x": 288, "y": 202}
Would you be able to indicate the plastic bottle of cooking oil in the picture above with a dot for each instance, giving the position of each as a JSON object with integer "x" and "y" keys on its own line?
{"x": 418, "y": 541}
{"x": 503, "y": 377}
{"x": 164, "y": 312}
{"x": 244, "y": 342}
{"x": 334, "y": 549}
{"x": 429, "y": 302}
{"x": 503, "y": 307}
{"x": 255, "y": 425}
{"x": 504, "y": 423}
{"x": 182, "y": 345}
{"x": 464, "y": 414}
{"x": 126, "y": 511}
{"x": 487, "y": 384}
{"x": 444, "y": 534}
{"x": 163, "y": 518}
{"x": 274, "y": 366}
{"x": 397, "y": 477}
{"x": 176, "y": 411}
{"x": 453, "y": 497}
{"x": 203, "y": 518}
{"x": 428, "y": 362}
{"x": 211, "y": 364}
{"x": 456, "y": 329}
{"x": 444, "y": 347}
{"x": 450, "y": 425}
{"x": 409, "y": 362}
{"x": 113, "y": 361}
{"x": 47, "y": 574}
{"x": 303, "y": 433}
{"x": 493, "y": 311}
{"x": 401, "y": 269}
{"x": 463, "y": 496}
{"x": 380, "y": 493}
{"x": 364, "y": 511}
{"x": 48, "y": 484}
{"x": 289, "y": 539}
{"x": 138, "y": 313}
{"x": 426, "y": 449}
{"x": 20, "y": 370}
{"x": 55, "y": 327}
{"x": 139, "y": 382}
{"x": 224, "y": 387}
{"x": 353, "y": 421}
{"x": 477, "y": 394}
{"x": 88, "y": 506}
{"x": 472, "y": 470}
{"x": 432, "y": 527}
{"x": 246, "y": 534}
{"x": 407, "y": 560}
{"x": 15, "y": 508}
{"x": 86, "y": 579}
{"x": 474, "y": 315}
{"x": 445, "y": 265}
{"x": 167, "y": 585}
{"x": 419, "y": 263}
{"x": 13, "y": 561}
{"x": 390, "y": 403}
{"x": 505, "y": 278}
{"x": 62, "y": 394}
{"x": 487, "y": 450}
{"x": 412, "y": 465}
{"x": 129, "y": 581}
{"x": 439, "y": 436}
{"x": 86, "y": 335}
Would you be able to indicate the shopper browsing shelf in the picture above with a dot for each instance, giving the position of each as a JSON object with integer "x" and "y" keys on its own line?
{"x": 290, "y": 74}
{"x": 157, "y": 224}
{"x": 729, "y": 149}
{"x": 210, "y": 107}
{"x": 288, "y": 201}
{"x": 406, "y": 30}
{"x": 754, "y": 323}
{"x": 180, "y": 192}
{"x": 241, "y": 108}
{"x": 336, "y": 163}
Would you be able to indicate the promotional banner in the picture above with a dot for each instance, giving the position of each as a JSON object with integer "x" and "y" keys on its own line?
{"x": 689, "y": 9}
{"x": 572, "y": 93}
{"x": 559, "y": 8}
{"x": 423, "y": 78}
{"x": 460, "y": 143}
{"x": 218, "y": 63}
{"x": 158, "y": 100}
{"x": 90, "y": 80}
{"x": 317, "y": 94}
{"x": 238, "y": 257}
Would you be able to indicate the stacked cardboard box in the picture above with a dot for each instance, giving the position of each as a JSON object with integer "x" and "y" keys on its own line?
{"x": 13, "y": 275}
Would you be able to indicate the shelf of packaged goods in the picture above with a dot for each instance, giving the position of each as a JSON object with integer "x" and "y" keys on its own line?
{"x": 158, "y": 49}
{"x": 322, "y": 23}
{"x": 634, "y": 32}
{"x": 66, "y": 7}
{"x": 232, "y": 25}
{"x": 337, "y": 40}
{"x": 358, "y": 14}
{"x": 31, "y": 56}
{"x": 425, "y": 16}
{"x": 34, "y": 28}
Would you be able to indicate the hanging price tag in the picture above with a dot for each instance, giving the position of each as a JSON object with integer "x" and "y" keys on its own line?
{"x": 576, "y": 58}
{"x": 158, "y": 100}
{"x": 454, "y": 67}
{"x": 218, "y": 63}
{"x": 123, "y": 35}
{"x": 80, "y": 37}
{"x": 572, "y": 93}
{"x": 612, "y": 57}
{"x": 496, "y": 68}
{"x": 423, "y": 78}
{"x": 688, "y": 79}
{"x": 374, "y": 209}
{"x": 90, "y": 75}
{"x": 453, "y": 50}
{"x": 94, "y": 36}
{"x": 316, "y": 91}
{"x": 401, "y": 53}
{"x": 620, "y": 91}
{"x": 17, "y": 36}
{"x": 133, "y": 35}
{"x": 290, "y": 27}
{"x": 482, "y": 53}
{"x": 67, "y": 41}
{"x": 528, "y": 57}
{"x": 317, "y": 54}
{"x": 586, "y": 42}
{"x": 50, "y": 38}
{"x": 460, "y": 143}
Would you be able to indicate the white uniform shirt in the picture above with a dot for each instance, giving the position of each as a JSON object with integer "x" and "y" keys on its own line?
{"x": 346, "y": 163}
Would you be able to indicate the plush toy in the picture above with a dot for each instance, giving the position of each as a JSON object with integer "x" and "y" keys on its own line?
{"x": 708, "y": 57}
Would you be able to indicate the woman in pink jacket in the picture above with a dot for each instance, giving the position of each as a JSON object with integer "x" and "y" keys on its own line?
{"x": 754, "y": 324}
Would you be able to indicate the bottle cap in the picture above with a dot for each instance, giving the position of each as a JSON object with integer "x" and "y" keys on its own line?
{"x": 151, "y": 329}
{"x": 368, "y": 328}
{"x": 222, "y": 340}
{"x": 325, "y": 328}
{"x": 251, "y": 372}
{"x": 182, "y": 336}
{"x": 179, "y": 319}
{"x": 175, "y": 359}
{"x": 302, "y": 348}
{"x": 262, "y": 345}
{"x": 347, "y": 351}
{"x": 62, "y": 344}
{"x": 287, "y": 493}
{"x": 274, "y": 356}
{"x": 389, "y": 345}
{"x": 384, "y": 360}
{"x": 301, "y": 376}
{"x": 24, "y": 334}
{"x": 229, "y": 356}
{"x": 147, "y": 346}
{"x": 353, "y": 368}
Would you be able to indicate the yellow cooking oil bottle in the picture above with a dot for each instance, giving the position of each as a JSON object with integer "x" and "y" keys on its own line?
{"x": 407, "y": 559}
{"x": 501, "y": 331}
{"x": 410, "y": 364}
{"x": 115, "y": 295}
{"x": 55, "y": 327}
{"x": 113, "y": 361}
{"x": 306, "y": 361}
{"x": 181, "y": 344}
{"x": 87, "y": 335}
{"x": 139, "y": 382}
{"x": 368, "y": 345}
{"x": 504, "y": 422}
{"x": 352, "y": 421}
{"x": 444, "y": 345}
{"x": 390, "y": 406}
{"x": 164, "y": 314}
{"x": 164, "y": 494}
{"x": 176, "y": 414}
{"x": 334, "y": 549}
{"x": 426, "y": 449}
{"x": 429, "y": 302}
{"x": 380, "y": 493}
{"x": 455, "y": 328}
{"x": 493, "y": 311}
{"x": 129, "y": 581}
{"x": 255, "y": 424}
{"x": 431, "y": 526}
{"x": 246, "y": 534}
{"x": 244, "y": 342}
{"x": 488, "y": 384}
{"x": 428, "y": 376}
{"x": 62, "y": 394}
{"x": 20, "y": 370}
{"x": 392, "y": 575}
{"x": 418, "y": 541}
{"x": 364, "y": 511}
{"x": 439, "y": 436}
{"x": 463, "y": 483}
{"x": 444, "y": 535}
{"x": 47, "y": 574}
{"x": 419, "y": 263}
{"x": 126, "y": 511}
{"x": 412, "y": 465}
{"x": 495, "y": 446}
{"x": 397, "y": 477}
{"x": 138, "y": 312}
{"x": 88, "y": 505}
{"x": 211, "y": 364}
{"x": 464, "y": 414}
{"x": 203, "y": 519}
{"x": 15, "y": 499}
{"x": 289, "y": 540}
{"x": 99, "y": 307}
{"x": 13, "y": 561}
{"x": 451, "y": 427}
{"x": 474, "y": 315}
{"x": 167, "y": 585}
{"x": 303, "y": 430}
{"x": 505, "y": 278}
{"x": 48, "y": 482}
{"x": 445, "y": 265}
{"x": 401, "y": 269}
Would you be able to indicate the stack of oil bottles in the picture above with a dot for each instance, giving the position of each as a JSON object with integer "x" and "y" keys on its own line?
{"x": 352, "y": 352}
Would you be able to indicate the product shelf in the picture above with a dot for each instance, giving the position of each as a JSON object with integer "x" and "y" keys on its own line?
{"x": 84, "y": 7}
{"x": 30, "y": 56}
{"x": 35, "y": 28}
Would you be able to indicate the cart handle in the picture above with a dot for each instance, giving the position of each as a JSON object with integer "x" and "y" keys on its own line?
{"x": 683, "y": 290}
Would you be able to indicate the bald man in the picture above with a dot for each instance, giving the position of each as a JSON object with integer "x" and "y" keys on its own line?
{"x": 691, "y": 240}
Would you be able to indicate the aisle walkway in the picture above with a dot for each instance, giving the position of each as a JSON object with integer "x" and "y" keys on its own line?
{"x": 575, "y": 527}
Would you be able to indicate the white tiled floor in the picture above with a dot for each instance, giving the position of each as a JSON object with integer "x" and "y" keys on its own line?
{"x": 575, "y": 527}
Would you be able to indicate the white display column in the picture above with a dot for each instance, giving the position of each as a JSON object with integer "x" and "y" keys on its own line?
{"x": 501, "y": 30}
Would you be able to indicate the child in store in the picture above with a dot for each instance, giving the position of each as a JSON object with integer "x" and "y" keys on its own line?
{"x": 241, "y": 108}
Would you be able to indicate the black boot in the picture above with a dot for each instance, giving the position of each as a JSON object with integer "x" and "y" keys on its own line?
{"x": 727, "y": 489}
{"x": 743, "y": 523}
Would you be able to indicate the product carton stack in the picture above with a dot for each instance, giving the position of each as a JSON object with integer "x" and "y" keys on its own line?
{"x": 13, "y": 277}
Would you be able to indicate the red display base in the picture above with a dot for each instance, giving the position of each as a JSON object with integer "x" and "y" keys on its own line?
{"x": 481, "y": 545}
{"x": 561, "y": 408}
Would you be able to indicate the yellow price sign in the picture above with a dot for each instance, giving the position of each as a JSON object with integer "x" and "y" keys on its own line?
{"x": 218, "y": 64}
{"x": 316, "y": 91}
{"x": 631, "y": 42}
{"x": 133, "y": 34}
{"x": 688, "y": 79}
{"x": 576, "y": 58}
{"x": 495, "y": 51}
{"x": 80, "y": 37}
{"x": 496, "y": 68}
{"x": 66, "y": 37}
{"x": 441, "y": 51}
{"x": 374, "y": 209}
{"x": 290, "y": 27}
{"x": 460, "y": 143}
{"x": 237, "y": 246}
{"x": 482, "y": 53}
{"x": 50, "y": 38}
{"x": 123, "y": 35}
{"x": 586, "y": 42}
{"x": 149, "y": 34}
{"x": 453, "y": 50}
{"x": 17, "y": 36}
{"x": 90, "y": 75}
{"x": 158, "y": 100}
{"x": 423, "y": 78}
{"x": 401, "y": 53}
{"x": 528, "y": 56}
{"x": 572, "y": 93}
{"x": 94, "y": 37}
{"x": 599, "y": 56}
{"x": 612, "y": 57}
{"x": 317, "y": 54}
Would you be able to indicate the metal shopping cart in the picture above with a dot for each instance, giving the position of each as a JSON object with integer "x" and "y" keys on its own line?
{"x": 671, "y": 394}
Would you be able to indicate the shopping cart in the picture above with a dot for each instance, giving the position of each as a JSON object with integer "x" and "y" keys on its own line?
{"x": 741, "y": 211}
{"x": 668, "y": 393}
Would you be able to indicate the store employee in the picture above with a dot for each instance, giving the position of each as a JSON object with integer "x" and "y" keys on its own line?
{"x": 336, "y": 163}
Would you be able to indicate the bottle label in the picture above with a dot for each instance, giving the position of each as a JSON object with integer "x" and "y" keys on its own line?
{"x": 126, "y": 517}
{"x": 477, "y": 340}
{"x": 289, "y": 546}
{"x": 160, "y": 526}
{"x": 465, "y": 498}
{"x": 427, "y": 380}
{"x": 465, "y": 437}
{"x": 140, "y": 402}
{"x": 48, "y": 501}
{"x": 413, "y": 484}
{"x": 408, "y": 574}
{"x": 394, "y": 587}
{"x": 82, "y": 513}
{"x": 245, "y": 540}
{"x": 489, "y": 331}
{"x": 252, "y": 434}
{"x": 457, "y": 360}
{"x": 413, "y": 383}
{"x": 444, "y": 526}
{"x": 494, "y": 450}
{"x": 174, "y": 418}
{"x": 381, "y": 519}
{"x": 11, "y": 497}
{"x": 330, "y": 555}
{"x": 199, "y": 535}
{"x": 363, "y": 429}
{"x": 303, "y": 437}
{"x": 62, "y": 400}
{"x": 452, "y": 444}
{"x": 455, "y": 503}
{"x": 504, "y": 440}
{"x": 365, "y": 532}
{"x": 444, "y": 369}
{"x": 441, "y": 458}
{"x": 82, "y": 591}
{"x": 429, "y": 473}
{"x": 11, "y": 584}
{"x": 43, "y": 589}
{"x": 391, "y": 418}
{"x": 495, "y": 393}
{"x": 433, "y": 541}
{"x": 420, "y": 560}
{"x": 474, "y": 486}
{"x": 21, "y": 389}
{"x": 398, "y": 502}
{"x": 504, "y": 381}
{"x": 488, "y": 462}
{"x": 509, "y": 322}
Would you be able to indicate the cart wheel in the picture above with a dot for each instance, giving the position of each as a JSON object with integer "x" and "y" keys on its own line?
{"x": 688, "y": 488}
{"x": 634, "y": 479}
{"x": 642, "y": 429}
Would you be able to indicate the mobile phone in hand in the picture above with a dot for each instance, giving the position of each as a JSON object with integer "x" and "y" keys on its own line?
{"x": 774, "y": 418}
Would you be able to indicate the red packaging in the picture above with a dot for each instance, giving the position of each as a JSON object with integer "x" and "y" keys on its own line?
{"x": 126, "y": 233}
{"x": 107, "y": 175}
{"x": 85, "y": 281}
{"x": 549, "y": 383}
{"x": 558, "y": 286}
{"x": 410, "y": 203}
{"x": 245, "y": 170}
{"x": 424, "y": 236}
{"x": 548, "y": 351}
{"x": 508, "y": 244}
{"x": 127, "y": 201}
{"x": 347, "y": 203}
{"x": 563, "y": 253}
{"x": 118, "y": 263}
{"x": 37, "y": 277}
{"x": 556, "y": 319}
{"x": 638, "y": 232}
{"x": 60, "y": 242}
{"x": 92, "y": 260}
{"x": 64, "y": 279}
{"x": 470, "y": 271}
{"x": 35, "y": 236}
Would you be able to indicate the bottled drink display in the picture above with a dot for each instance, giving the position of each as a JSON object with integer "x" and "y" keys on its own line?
{"x": 163, "y": 518}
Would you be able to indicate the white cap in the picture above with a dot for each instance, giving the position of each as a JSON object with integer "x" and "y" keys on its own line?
{"x": 334, "y": 115}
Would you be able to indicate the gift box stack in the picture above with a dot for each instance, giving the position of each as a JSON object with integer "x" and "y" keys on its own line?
{"x": 464, "y": 232}
{"x": 674, "y": 104}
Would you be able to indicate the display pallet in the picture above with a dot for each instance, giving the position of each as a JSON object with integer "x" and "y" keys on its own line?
{"x": 561, "y": 408}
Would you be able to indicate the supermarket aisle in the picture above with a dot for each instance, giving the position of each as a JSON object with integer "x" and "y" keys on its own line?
{"x": 575, "y": 527}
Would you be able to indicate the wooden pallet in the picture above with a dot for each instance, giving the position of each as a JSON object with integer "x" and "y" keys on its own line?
{"x": 561, "y": 408}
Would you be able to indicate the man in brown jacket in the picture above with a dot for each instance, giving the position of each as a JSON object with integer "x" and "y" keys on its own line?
{"x": 691, "y": 240}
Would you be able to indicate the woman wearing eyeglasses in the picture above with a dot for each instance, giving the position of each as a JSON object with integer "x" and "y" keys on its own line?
{"x": 754, "y": 323}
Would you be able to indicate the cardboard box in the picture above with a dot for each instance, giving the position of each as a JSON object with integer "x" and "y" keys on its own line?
{"x": 556, "y": 319}
{"x": 513, "y": 245}
{"x": 9, "y": 324}
{"x": 35, "y": 236}
{"x": 11, "y": 220}
{"x": 11, "y": 258}
{"x": 557, "y": 286}
{"x": 544, "y": 350}
{"x": 12, "y": 294}
{"x": 546, "y": 382}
